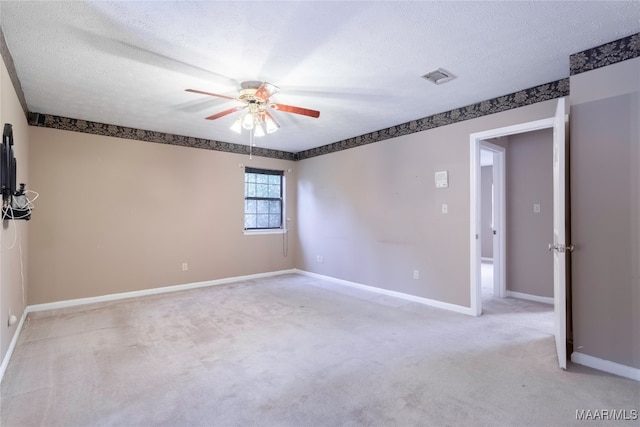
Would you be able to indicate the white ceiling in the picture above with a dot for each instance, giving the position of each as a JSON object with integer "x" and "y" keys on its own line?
{"x": 358, "y": 63}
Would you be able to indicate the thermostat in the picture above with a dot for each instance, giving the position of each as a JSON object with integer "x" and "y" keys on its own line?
{"x": 442, "y": 179}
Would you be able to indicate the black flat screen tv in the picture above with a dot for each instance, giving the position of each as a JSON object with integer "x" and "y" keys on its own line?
{"x": 7, "y": 164}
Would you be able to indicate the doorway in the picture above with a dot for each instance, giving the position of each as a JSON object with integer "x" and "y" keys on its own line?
{"x": 492, "y": 233}
{"x": 558, "y": 244}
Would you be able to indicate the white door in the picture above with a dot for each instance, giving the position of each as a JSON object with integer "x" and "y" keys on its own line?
{"x": 559, "y": 245}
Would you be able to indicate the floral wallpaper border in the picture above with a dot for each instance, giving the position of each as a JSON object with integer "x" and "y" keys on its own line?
{"x": 606, "y": 54}
{"x": 95, "y": 128}
{"x": 518, "y": 99}
{"x": 590, "y": 59}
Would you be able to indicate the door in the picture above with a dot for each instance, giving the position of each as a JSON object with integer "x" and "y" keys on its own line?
{"x": 559, "y": 245}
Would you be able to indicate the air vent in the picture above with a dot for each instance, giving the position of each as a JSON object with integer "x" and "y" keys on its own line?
{"x": 439, "y": 76}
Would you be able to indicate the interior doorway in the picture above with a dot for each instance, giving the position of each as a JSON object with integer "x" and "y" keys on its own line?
{"x": 558, "y": 243}
{"x": 492, "y": 232}
{"x": 507, "y": 224}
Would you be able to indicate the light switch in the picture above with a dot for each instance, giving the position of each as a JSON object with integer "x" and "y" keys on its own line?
{"x": 536, "y": 208}
{"x": 442, "y": 179}
{"x": 445, "y": 209}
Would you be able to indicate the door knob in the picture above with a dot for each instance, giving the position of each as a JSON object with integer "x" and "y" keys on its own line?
{"x": 561, "y": 248}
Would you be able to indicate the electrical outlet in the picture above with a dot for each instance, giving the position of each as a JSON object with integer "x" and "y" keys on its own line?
{"x": 185, "y": 266}
{"x": 536, "y": 208}
{"x": 445, "y": 209}
{"x": 416, "y": 274}
{"x": 320, "y": 259}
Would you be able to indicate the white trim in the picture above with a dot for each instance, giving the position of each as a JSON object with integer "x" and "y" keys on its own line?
{"x": 606, "y": 366}
{"x": 408, "y": 297}
{"x": 536, "y": 298}
{"x": 475, "y": 139}
{"x": 152, "y": 291}
{"x": 475, "y": 297}
{"x": 486, "y": 259}
{"x": 12, "y": 345}
{"x": 499, "y": 208}
{"x": 264, "y": 231}
{"x": 514, "y": 129}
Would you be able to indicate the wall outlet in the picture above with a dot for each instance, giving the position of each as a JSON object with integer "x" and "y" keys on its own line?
{"x": 445, "y": 209}
{"x": 416, "y": 274}
{"x": 185, "y": 266}
{"x": 320, "y": 259}
{"x": 536, "y": 208}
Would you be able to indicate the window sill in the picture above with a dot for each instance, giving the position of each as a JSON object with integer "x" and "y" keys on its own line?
{"x": 269, "y": 231}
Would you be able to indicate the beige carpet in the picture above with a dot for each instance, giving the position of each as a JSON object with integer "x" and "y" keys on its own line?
{"x": 292, "y": 351}
{"x": 526, "y": 313}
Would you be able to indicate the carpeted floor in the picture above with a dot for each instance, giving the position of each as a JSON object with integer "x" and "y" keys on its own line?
{"x": 292, "y": 351}
{"x": 522, "y": 312}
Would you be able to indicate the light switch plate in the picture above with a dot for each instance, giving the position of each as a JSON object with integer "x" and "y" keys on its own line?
{"x": 536, "y": 208}
{"x": 442, "y": 179}
{"x": 445, "y": 209}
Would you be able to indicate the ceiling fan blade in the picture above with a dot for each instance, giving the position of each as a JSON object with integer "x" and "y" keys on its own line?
{"x": 295, "y": 110}
{"x": 225, "y": 112}
{"x": 209, "y": 93}
{"x": 265, "y": 90}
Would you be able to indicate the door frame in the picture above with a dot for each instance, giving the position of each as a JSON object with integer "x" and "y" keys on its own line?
{"x": 475, "y": 140}
{"x": 499, "y": 243}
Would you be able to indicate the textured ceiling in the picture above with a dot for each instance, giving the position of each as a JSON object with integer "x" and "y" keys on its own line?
{"x": 359, "y": 63}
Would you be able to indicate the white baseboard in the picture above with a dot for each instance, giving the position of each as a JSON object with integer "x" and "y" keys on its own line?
{"x": 544, "y": 300}
{"x": 152, "y": 291}
{"x": 606, "y": 366}
{"x": 12, "y": 345}
{"x": 408, "y": 297}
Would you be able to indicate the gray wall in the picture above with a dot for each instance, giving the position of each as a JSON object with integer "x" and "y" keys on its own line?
{"x": 486, "y": 208}
{"x": 605, "y": 205}
{"x": 374, "y": 214}
{"x": 529, "y": 176}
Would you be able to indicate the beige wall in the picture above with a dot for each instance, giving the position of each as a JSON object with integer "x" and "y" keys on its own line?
{"x": 605, "y": 207}
{"x": 374, "y": 214}
{"x": 13, "y": 263}
{"x": 117, "y": 215}
{"x": 529, "y": 176}
{"x": 486, "y": 209}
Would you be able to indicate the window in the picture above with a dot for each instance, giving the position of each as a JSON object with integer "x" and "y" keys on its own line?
{"x": 263, "y": 197}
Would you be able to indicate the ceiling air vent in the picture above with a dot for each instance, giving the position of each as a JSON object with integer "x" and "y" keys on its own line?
{"x": 439, "y": 76}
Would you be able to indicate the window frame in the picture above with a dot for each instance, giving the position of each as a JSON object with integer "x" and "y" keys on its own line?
{"x": 280, "y": 200}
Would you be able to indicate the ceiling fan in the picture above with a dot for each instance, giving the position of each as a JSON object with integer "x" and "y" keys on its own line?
{"x": 255, "y": 99}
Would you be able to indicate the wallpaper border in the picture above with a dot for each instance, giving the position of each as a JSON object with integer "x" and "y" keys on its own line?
{"x": 533, "y": 95}
{"x": 96, "y": 128}
{"x": 518, "y": 99}
{"x": 606, "y": 54}
{"x": 590, "y": 59}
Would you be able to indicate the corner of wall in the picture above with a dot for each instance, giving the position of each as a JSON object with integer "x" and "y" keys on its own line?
{"x": 13, "y": 234}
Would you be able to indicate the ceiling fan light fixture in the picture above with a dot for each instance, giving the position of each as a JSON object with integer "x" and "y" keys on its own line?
{"x": 237, "y": 125}
{"x": 247, "y": 121}
{"x": 270, "y": 124}
{"x": 258, "y": 131}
